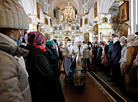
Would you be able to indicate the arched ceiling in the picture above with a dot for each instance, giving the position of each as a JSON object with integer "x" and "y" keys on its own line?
{"x": 114, "y": 6}
{"x": 63, "y": 3}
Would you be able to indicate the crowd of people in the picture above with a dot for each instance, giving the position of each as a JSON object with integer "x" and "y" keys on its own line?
{"x": 118, "y": 59}
{"x": 30, "y": 64}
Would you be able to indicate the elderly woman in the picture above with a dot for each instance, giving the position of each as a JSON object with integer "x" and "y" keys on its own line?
{"x": 123, "y": 43}
{"x": 130, "y": 69}
{"x": 41, "y": 78}
{"x": 116, "y": 55}
{"x": 14, "y": 85}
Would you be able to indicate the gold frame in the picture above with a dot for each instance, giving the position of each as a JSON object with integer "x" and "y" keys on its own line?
{"x": 38, "y": 10}
{"x": 46, "y": 21}
{"x": 123, "y": 32}
{"x": 105, "y": 20}
{"x": 86, "y": 21}
{"x": 86, "y": 37}
{"x": 124, "y": 12}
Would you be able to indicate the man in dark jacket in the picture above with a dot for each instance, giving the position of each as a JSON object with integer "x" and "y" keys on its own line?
{"x": 116, "y": 55}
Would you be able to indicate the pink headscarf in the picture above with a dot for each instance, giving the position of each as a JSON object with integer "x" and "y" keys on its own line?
{"x": 38, "y": 40}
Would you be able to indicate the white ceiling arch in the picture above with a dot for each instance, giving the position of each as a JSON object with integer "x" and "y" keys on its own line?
{"x": 105, "y": 5}
{"x": 63, "y": 2}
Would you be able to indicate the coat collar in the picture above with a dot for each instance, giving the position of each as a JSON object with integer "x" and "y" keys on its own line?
{"x": 10, "y": 46}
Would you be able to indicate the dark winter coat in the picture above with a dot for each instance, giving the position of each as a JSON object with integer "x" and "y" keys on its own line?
{"x": 41, "y": 78}
{"x": 110, "y": 50}
{"x": 116, "y": 54}
{"x": 53, "y": 60}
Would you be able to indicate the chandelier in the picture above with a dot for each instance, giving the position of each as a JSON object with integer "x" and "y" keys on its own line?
{"x": 69, "y": 17}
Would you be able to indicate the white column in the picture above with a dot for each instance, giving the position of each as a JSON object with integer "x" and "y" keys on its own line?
{"x": 136, "y": 15}
{"x": 99, "y": 37}
{"x": 90, "y": 36}
{"x": 132, "y": 17}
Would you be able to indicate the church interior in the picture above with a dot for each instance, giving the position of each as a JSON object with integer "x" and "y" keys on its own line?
{"x": 97, "y": 23}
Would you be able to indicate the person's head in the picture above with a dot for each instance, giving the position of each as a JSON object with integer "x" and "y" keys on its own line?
{"x": 35, "y": 38}
{"x": 122, "y": 40}
{"x": 14, "y": 21}
{"x": 132, "y": 40}
{"x": 68, "y": 42}
{"x": 49, "y": 44}
{"x": 113, "y": 36}
{"x": 55, "y": 40}
{"x": 89, "y": 44}
{"x": 102, "y": 45}
{"x": 116, "y": 39}
{"x": 136, "y": 33}
{"x": 79, "y": 43}
{"x": 83, "y": 42}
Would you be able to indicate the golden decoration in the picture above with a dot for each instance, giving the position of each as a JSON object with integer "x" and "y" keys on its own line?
{"x": 46, "y": 21}
{"x": 105, "y": 20}
{"x": 86, "y": 21}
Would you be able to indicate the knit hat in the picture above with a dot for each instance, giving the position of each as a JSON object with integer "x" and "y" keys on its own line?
{"x": 116, "y": 39}
{"x": 49, "y": 43}
{"x": 12, "y": 15}
{"x": 123, "y": 39}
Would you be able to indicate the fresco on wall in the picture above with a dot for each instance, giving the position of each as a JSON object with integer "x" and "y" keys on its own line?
{"x": 96, "y": 29}
{"x": 47, "y": 36}
{"x": 86, "y": 21}
{"x": 46, "y": 21}
{"x": 96, "y": 39}
{"x": 123, "y": 30}
{"x": 86, "y": 37}
{"x": 73, "y": 27}
{"x": 60, "y": 27}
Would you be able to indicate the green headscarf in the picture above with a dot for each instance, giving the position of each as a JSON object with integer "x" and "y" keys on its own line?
{"x": 49, "y": 42}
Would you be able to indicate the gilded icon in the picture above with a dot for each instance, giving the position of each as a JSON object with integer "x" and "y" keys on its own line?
{"x": 86, "y": 21}
{"x": 86, "y": 37}
{"x": 105, "y": 20}
{"x": 123, "y": 30}
{"x": 124, "y": 12}
{"x": 46, "y": 21}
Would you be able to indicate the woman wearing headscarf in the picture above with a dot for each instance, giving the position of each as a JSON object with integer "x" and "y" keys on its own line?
{"x": 53, "y": 60}
{"x": 123, "y": 43}
{"x": 41, "y": 78}
{"x": 14, "y": 22}
{"x": 116, "y": 55}
{"x": 130, "y": 69}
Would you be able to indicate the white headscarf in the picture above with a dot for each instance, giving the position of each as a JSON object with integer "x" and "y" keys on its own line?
{"x": 123, "y": 39}
{"x": 132, "y": 40}
{"x": 116, "y": 39}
